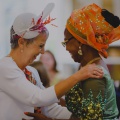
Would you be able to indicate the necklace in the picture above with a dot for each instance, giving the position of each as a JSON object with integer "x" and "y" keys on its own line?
{"x": 93, "y": 60}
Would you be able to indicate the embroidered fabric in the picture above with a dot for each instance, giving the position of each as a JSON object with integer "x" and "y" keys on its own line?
{"x": 86, "y": 109}
{"x": 29, "y": 77}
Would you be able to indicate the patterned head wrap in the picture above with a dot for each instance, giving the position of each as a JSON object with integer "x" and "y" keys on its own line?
{"x": 89, "y": 27}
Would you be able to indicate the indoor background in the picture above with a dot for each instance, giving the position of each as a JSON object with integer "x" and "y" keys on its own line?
{"x": 9, "y": 9}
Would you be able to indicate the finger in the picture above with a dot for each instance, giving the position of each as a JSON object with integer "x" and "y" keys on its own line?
{"x": 30, "y": 114}
{"x": 98, "y": 74}
{"x": 99, "y": 69}
{"x": 94, "y": 67}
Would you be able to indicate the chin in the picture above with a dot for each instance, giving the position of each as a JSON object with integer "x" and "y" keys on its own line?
{"x": 76, "y": 60}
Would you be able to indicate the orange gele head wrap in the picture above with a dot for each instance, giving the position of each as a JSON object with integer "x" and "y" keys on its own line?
{"x": 89, "y": 27}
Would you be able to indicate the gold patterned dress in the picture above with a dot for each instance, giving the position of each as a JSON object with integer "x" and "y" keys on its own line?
{"x": 93, "y": 99}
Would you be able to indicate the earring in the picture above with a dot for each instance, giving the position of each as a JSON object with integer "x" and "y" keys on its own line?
{"x": 80, "y": 51}
{"x": 21, "y": 50}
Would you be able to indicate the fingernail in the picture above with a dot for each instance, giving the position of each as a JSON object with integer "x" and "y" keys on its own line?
{"x": 26, "y": 113}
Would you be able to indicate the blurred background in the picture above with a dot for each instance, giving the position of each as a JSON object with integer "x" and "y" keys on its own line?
{"x": 9, "y": 9}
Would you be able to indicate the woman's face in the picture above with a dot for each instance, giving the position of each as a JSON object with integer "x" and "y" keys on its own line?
{"x": 72, "y": 46}
{"x": 32, "y": 50}
{"x": 47, "y": 60}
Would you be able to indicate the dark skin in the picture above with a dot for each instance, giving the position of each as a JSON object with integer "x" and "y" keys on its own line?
{"x": 88, "y": 53}
{"x": 72, "y": 47}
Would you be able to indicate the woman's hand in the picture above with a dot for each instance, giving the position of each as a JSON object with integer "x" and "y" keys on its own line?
{"x": 37, "y": 116}
{"x": 89, "y": 71}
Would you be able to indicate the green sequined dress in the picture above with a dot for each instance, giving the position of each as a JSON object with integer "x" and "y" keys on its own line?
{"x": 93, "y": 99}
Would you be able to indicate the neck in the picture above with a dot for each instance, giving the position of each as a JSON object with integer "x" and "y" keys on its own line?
{"x": 16, "y": 56}
{"x": 90, "y": 61}
{"x": 90, "y": 57}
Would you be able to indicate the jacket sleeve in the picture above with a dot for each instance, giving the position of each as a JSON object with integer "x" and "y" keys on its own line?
{"x": 14, "y": 83}
{"x": 56, "y": 111}
{"x": 53, "y": 110}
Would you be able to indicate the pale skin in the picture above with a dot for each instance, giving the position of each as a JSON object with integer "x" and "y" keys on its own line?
{"x": 30, "y": 52}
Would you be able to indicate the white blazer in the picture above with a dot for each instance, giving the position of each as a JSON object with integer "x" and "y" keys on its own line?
{"x": 18, "y": 95}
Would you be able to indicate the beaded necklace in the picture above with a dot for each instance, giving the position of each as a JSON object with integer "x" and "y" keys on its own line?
{"x": 93, "y": 60}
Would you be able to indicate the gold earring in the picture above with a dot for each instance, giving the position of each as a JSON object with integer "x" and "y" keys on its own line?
{"x": 80, "y": 51}
{"x": 21, "y": 50}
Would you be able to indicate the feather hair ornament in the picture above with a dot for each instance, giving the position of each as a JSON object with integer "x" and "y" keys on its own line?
{"x": 28, "y": 25}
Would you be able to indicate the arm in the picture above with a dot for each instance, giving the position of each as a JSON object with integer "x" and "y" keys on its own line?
{"x": 14, "y": 83}
{"x": 85, "y": 72}
{"x": 54, "y": 110}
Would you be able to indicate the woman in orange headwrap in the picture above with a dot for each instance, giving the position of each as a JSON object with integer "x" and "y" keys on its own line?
{"x": 88, "y": 33}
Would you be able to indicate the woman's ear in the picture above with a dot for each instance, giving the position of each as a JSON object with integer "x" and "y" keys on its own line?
{"x": 21, "y": 42}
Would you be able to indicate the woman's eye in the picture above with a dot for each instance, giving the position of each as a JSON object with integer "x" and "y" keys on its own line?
{"x": 41, "y": 46}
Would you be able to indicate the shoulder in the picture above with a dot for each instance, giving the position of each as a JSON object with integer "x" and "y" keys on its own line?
{"x": 6, "y": 62}
{"x": 8, "y": 66}
{"x": 94, "y": 82}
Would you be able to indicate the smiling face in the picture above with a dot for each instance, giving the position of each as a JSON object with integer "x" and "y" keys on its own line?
{"x": 72, "y": 46}
{"x": 33, "y": 49}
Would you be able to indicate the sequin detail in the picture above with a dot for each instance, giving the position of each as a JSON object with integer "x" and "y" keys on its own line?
{"x": 85, "y": 109}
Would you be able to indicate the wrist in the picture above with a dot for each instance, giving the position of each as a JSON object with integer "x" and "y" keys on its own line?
{"x": 77, "y": 77}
